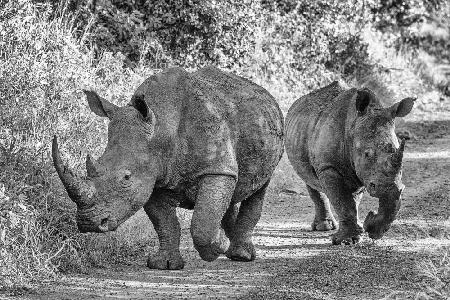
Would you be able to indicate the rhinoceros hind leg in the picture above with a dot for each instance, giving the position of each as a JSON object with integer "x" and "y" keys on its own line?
{"x": 323, "y": 220}
{"x": 165, "y": 221}
{"x": 241, "y": 247}
{"x": 229, "y": 220}
{"x": 345, "y": 204}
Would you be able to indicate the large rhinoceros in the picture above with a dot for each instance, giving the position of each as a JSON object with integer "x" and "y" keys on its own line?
{"x": 206, "y": 141}
{"x": 340, "y": 142}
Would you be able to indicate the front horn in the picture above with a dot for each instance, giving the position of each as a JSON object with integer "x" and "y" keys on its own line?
{"x": 80, "y": 192}
{"x": 397, "y": 157}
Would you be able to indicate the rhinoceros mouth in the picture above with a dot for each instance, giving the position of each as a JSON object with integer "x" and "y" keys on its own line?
{"x": 100, "y": 223}
{"x": 377, "y": 224}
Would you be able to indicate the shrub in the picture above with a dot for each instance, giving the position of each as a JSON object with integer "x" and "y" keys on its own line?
{"x": 193, "y": 32}
{"x": 302, "y": 45}
{"x": 226, "y": 33}
{"x": 423, "y": 28}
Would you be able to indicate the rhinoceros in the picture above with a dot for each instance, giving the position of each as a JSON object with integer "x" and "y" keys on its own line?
{"x": 207, "y": 141}
{"x": 341, "y": 142}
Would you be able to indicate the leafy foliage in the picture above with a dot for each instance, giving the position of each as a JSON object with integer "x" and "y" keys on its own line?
{"x": 320, "y": 32}
{"x": 194, "y": 32}
{"x": 226, "y": 33}
{"x": 419, "y": 27}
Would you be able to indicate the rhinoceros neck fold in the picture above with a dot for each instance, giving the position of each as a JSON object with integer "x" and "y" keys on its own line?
{"x": 342, "y": 121}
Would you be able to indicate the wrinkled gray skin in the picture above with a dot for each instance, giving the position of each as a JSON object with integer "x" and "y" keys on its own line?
{"x": 206, "y": 141}
{"x": 341, "y": 142}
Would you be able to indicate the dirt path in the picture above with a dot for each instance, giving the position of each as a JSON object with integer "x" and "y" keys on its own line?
{"x": 295, "y": 263}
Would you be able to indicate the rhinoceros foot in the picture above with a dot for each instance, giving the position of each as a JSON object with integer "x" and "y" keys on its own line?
{"x": 327, "y": 224}
{"x": 347, "y": 236}
{"x": 242, "y": 252}
{"x": 211, "y": 250}
{"x": 164, "y": 260}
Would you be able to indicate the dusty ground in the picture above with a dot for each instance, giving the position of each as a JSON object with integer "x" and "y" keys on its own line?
{"x": 295, "y": 263}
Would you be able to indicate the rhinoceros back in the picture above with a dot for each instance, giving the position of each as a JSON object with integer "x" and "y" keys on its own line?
{"x": 213, "y": 122}
{"x": 301, "y": 123}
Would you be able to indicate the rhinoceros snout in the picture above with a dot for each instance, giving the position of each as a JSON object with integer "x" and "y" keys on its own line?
{"x": 97, "y": 224}
{"x": 85, "y": 227}
{"x": 375, "y": 225}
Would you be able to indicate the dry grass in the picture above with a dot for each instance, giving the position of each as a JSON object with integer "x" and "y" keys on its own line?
{"x": 21, "y": 239}
{"x": 436, "y": 275}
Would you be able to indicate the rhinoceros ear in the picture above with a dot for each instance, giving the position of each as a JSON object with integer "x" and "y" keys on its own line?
{"x": 402, "y": 108}
{"x": 100, "y": 106}
{"x": 362, "y": 101}
{"x": 142, "y": 107}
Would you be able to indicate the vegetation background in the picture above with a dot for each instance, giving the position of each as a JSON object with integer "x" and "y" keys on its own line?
{"x": 50, "y": 50}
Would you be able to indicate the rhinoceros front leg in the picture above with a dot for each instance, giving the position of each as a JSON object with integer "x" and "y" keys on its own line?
{"x": 345, "y": 204}
{"x": 241, "y": 247}
{"x": 323, "y": 220}
{"x": 162, "y": 214}
{"x": 213, "y": 199}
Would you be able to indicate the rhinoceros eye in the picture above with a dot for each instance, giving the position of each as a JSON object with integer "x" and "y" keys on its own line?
{"x": 127, "y": 175}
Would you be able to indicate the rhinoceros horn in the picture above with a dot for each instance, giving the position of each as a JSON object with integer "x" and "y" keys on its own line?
{"x": 93, "y": 168}
{"x": 397, "y": 157}
{"x": 79, "y": 191}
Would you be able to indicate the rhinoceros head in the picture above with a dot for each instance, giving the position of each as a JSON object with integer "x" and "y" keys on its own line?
{"x": 377, "y": 156}
{"x": 122, "y": 179}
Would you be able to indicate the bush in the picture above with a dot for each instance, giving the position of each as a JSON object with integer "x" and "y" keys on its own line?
{"x": 423, "y": 28}
{"x": 193, "y": 32}
{"x": 226, "y": 33}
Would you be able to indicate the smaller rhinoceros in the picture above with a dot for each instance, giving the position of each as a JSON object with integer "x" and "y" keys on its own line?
{"x": 340, "y": 142}
{"x": 207, "y": 141}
